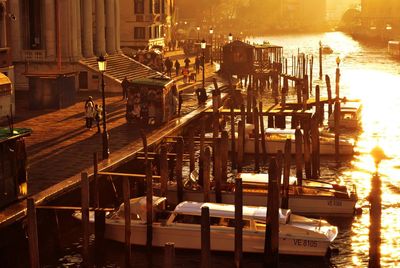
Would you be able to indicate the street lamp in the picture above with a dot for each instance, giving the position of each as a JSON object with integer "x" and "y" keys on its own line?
{"x": 230, "y": 37}
{"x": 198, "y": 32}
{"x": 101, "y": 61}
{"x": 203, "y": 46}
{"x": 211, "y": 48}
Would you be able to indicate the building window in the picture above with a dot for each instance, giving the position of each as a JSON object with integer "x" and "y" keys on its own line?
{"x": 139, "y": 7}
{"x": 139, "y": 33}
{"x": 157, "y": 6}
{"x": 151, "y": 6}
{"x": 156, "y": 32}
{"x": 150, "y": 32}
{"x": 162, "y": 6}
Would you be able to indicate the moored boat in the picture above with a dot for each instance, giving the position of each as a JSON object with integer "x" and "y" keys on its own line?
{"x": 350, "y": 115}
{"x": 313, "y": 198}
{"x": 275, "y": 140}
{"x": 297, "y": 235}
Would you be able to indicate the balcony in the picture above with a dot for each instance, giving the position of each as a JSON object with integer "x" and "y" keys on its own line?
{"x": 34, "y": 55}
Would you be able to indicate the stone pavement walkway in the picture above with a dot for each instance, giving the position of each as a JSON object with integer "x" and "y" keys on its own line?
{"x": 61, "y": 146}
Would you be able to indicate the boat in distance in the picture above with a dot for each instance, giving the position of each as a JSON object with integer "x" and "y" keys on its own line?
{"x": 297, "y": 235}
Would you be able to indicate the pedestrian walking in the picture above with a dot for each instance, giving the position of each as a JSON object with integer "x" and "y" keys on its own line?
{"x": 180, "y": 101}
{"x": 125, "y": 85}
{"x": 197, "y": 63}
{"x": 98, "y": 116}
{"x": 177, "y": 67}
{"x": 89, "y": 112}
{"x": 168, "y": 65}
{"x": 187, "y": 62}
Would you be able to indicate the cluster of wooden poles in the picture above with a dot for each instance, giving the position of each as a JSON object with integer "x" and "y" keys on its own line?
{"x": 220, "y": 143}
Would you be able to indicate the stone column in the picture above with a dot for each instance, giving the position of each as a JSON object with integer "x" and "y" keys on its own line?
{"x": 87, "y": 29}
{"x": 3, "y": 27}
{"x": 15, "y": 29}
{"x": 73, "y": 20}
{"x": 110, "y": 26}
{"x": 100, "y": 28}
{"x": 76, "y": 29}
{"x": 117, "y": 26}
{"x": 50, "y": 28}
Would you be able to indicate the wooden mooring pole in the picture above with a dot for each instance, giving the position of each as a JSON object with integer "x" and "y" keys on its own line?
{"x": 299, "y": 156}
{"x": 375, "y": 213}
{"x": 256, "y": 141}
{"x": 33, "y": 240}
{"x": 233, "y": 138}
{"x": 238, "y": 222}
{"x": 201, "y": 158}
{"x": 271, "y": 247}
{"x": 262, "y": 133}
{"x": 178, "y": 169}
{"x": 240, "y": 146}
{"x": 99, "y": 215}
{"x": 286, "y": 174}
{"x": 127, "y": 215}
{"x": 205, "y": 238}
{"x": 191, "y": 150}
{"x": 206, "y": 168}
{"x": 217, "y": 170}
{"x": 224, "y": 156}
{"x": 315, "y": 165}
{"x": 149, "y": 209}
{"x": 85, "y": 217}
{"x": 164, "y": 170}
{"x": 169, "y": 255}
{"x": 307, "y": 153}
{"x": 329, "y": 93}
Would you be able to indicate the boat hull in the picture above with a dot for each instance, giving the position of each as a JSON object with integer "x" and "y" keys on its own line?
{"x": 273, "y": 146}
{"x": 307, "y": 205}
{"x": 188, "y": 236}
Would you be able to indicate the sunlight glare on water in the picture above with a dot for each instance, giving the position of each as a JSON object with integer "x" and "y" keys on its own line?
{"x": 368, "y": 74}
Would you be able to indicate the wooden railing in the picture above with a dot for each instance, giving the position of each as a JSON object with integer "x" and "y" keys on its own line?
{"x": 34, "y": 55}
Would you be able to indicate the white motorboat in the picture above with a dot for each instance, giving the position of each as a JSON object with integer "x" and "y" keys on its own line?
{"x": 275, "y": 140}
{"x": 350, "y": 116}
{"x": 313, "y": 198}
{"x": 297, "y": 235}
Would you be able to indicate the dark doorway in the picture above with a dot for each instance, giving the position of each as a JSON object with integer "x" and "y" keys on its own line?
{"x": 83, "y": 80}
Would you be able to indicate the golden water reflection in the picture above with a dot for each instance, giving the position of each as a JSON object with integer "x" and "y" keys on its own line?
{"x": 368, "y": 74}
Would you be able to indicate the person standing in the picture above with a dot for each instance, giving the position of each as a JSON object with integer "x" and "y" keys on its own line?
{"x": 197, "y": 64}
{"x": 98, "y": 116}
{"x": 177, "y": 67}
{"x": 168, "y": 65}
{"x": 187, "y": 62}
{"x": 180, "y": 101}
{"x": 89, "y": 112}
{"x": 125, "y": 85}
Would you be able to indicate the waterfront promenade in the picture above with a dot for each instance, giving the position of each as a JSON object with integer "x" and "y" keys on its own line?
{"x": 61, "y": 147}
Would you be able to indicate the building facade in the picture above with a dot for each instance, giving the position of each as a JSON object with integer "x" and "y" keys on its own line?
{"x": 51, "y": 36}
{"x": 146, "y": 23}
{"x": 380, "y": 15}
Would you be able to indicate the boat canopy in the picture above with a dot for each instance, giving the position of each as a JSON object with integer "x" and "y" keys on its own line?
{"x": 260, "y": 178}
{"x": 228, "y": 211}
{"x": 138, "y": 206}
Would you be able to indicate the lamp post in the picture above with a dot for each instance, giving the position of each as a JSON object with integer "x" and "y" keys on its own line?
{"x": 230, "y": 37}
{"x": 203, "y": 45}
{"x": 211, "y": 48}
{"x": 102, "y": 63}
{"x": 198, "y": 32}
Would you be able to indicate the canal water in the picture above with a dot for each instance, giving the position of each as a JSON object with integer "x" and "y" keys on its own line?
{"x": 368, "y": 74}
